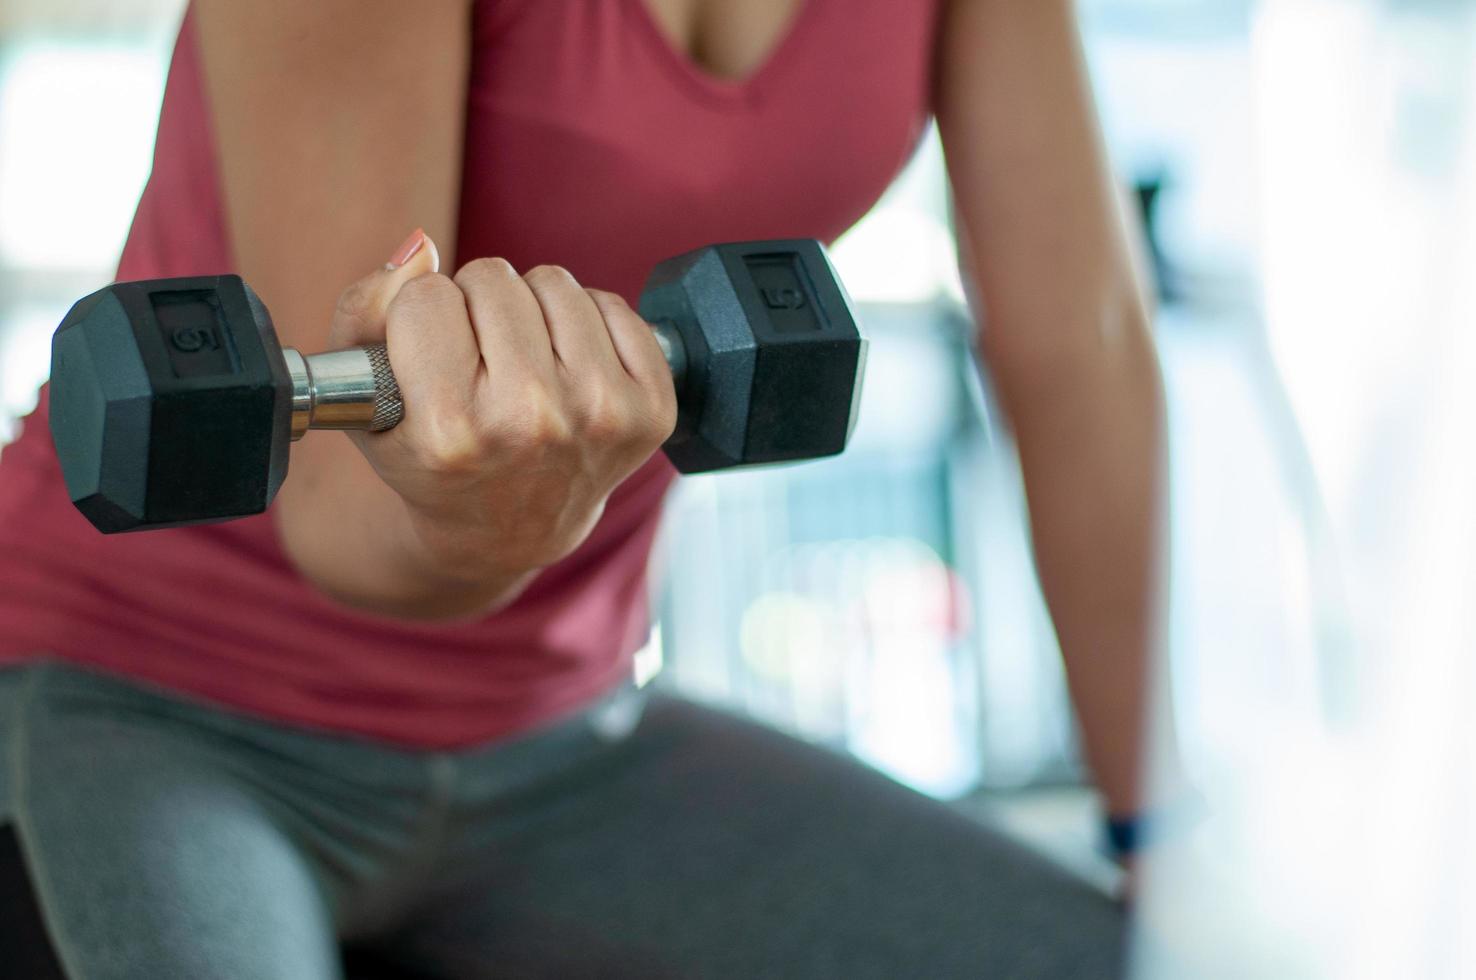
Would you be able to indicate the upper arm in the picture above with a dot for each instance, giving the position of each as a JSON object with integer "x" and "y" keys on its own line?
{"x": 1040, "y": 215}
{"x": 339, "y": 129}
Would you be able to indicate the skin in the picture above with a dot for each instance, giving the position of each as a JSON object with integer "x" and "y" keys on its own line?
{"x": 451, "y": 514}
{"x": 1065, "y": 336}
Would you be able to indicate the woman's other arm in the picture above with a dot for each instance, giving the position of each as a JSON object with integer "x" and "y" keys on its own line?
{"x": 1065, "y": 335}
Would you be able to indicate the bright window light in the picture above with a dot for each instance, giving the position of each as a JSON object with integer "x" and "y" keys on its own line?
{"x": 914, "y": 211}
{"x": 76, "y": 135}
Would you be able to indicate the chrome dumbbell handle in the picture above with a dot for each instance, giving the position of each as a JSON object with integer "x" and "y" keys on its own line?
{"x": 352, "y": 388}
{"x": 355, "y": 388}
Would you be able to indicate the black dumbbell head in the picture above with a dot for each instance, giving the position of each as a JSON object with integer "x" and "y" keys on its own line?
{"x": 170, "y": 403}
{"x": 774, "y": 357}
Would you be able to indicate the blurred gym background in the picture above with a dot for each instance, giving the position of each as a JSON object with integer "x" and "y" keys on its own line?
{"x": 1306, "y": 171}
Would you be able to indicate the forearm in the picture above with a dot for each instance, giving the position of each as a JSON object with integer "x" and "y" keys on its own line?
{"x": 1090, "y": 434}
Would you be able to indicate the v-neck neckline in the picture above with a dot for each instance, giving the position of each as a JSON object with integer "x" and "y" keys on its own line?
{"x": 705, "y": 80}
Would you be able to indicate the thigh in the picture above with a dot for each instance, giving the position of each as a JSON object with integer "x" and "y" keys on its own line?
{"x": 708, "y": 846}
{"x": 148, "y": 857}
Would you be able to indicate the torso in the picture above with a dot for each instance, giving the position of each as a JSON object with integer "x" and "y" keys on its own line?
{"x": 671, "y": 122}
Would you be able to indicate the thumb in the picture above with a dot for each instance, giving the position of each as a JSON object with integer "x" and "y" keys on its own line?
{"x": 359, "y": 317}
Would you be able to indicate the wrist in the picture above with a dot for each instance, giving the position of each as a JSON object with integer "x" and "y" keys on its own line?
{"x": 357, "y": 544}
{"x": 460, "y": 565}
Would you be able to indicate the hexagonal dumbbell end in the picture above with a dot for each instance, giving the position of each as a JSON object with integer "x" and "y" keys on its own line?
{"x": 170, "y": 403}
{"x": 773, "y": 358}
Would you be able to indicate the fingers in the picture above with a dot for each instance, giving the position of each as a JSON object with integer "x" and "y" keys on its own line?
{"x": 431, "y": 345}
{"x": 359, "y": 317}
{"x": 575, "y": 326}
{"x": 632, "y": 338}
{"x": 505, "y": 314}
{"x": 635, "y": 344}
{"x": 542, "y": 339}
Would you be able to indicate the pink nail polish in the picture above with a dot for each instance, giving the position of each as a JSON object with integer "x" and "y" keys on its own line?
{"x": 407, "y": 249}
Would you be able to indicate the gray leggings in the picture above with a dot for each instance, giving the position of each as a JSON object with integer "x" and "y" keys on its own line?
{"x": 168, "y": 839}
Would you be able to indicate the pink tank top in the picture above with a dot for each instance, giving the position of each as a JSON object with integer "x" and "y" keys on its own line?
{"x": 581, "y": 116}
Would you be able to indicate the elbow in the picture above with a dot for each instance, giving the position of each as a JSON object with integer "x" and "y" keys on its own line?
{"x": 1107, "y": 345}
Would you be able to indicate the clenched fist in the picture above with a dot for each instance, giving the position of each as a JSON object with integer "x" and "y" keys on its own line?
{"x": 528, "y": 398}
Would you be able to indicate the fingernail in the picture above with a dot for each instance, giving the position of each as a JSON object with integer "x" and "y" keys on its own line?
{"x": 407, "y": 250}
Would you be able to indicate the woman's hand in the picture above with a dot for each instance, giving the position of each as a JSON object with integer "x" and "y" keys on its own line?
{"x": 528, "y": 399}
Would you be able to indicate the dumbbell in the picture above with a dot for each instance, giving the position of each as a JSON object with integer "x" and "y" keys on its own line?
{"x": 173, "y": 403}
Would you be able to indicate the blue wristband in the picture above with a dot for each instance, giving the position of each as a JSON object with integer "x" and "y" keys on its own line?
{"x": 1127, "y": 835}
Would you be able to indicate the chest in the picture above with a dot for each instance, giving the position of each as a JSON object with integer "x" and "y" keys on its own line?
{"x": 603, "y": 136}
{"x": 724, "y": 39}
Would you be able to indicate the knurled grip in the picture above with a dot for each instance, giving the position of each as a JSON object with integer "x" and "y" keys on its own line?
{"x": 389, "y": 407}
